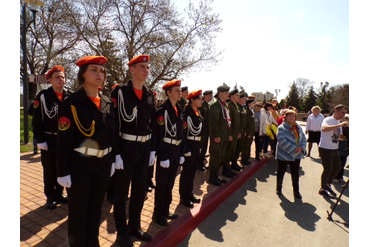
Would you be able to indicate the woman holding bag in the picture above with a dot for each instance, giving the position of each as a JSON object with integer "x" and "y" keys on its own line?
{"x": 291, "y": 147}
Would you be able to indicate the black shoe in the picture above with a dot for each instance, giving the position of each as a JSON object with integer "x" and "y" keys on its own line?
{"x": 35, "y": 151}
{"x": 162, "y": 221}
{"x": 324, "y": 193}
{"x": 201, "y": 167}
{"x": 171, "y": 216}
{"x": 149, "y": 189}
{"x": 140, "y": 234}
{"x": 221, "y": 180}
{"x": 51, "y": 203}
{"x": 278, "y": 192}
{"x": 123, "y": 242}
{"x": 61, "y": 199}
{"x": 187, "y": 203}
{"x": 110, "y": 198}
{"x": 331, "y": 191}
{"x": 298, "y": 195}
{"x": 235, "y": 167}
{"x": 258, "y": 158}
{"x": 194, "y": 199}
{"x": 214, "y": 181}
{"x": 151, "y": 184}
{"x": 233, "y": 173}
{"x": 207, "y": 155}
{"x": 227, "y": 174}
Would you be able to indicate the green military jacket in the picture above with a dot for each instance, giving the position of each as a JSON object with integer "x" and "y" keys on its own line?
{"x": 236, "y": 126}
{"x": 250, "y": 122}
{"x": 204, "y": 111}
{"x": 182, "y": 102}
{"x": 243, "y": 119}
{"x": 218, "y": 121}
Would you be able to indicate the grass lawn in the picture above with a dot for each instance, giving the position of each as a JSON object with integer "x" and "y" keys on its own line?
{"x": 28, "y": 147}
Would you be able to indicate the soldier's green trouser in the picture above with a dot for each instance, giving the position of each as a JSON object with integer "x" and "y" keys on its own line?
{"x": 217, "y": 153}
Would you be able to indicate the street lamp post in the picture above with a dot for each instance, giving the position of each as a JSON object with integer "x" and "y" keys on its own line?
{"x": 33, "y": 5}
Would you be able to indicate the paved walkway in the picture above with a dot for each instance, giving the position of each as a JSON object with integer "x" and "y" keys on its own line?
{"x": 42, "y": 227}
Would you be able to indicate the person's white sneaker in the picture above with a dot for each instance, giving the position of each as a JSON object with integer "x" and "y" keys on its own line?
{"x": 267, "y": 155}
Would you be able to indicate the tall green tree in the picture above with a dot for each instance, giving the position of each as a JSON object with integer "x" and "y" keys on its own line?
{"x": 310, "y": 100}
{"x": 293, "y": 98}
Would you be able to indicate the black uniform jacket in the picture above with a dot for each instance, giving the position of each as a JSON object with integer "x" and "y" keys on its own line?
{"x": 204, "y": 111}
{"x": 75, "y": 128}
{"x": 125, "y": 101}
{"x": 168, "y": 125}
{"x": 45, "y": 114}
{"x": 193, "y": 127}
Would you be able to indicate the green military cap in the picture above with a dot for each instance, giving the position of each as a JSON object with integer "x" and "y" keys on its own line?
{"x": 234, "y": 91}
{"x": 207, "y": 92}
{"x": 242, "y": 95}
{"x": 222, "y": 89}
{"x": 184, "y": 89}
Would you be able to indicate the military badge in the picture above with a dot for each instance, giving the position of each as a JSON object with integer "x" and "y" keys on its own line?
{"x": 64, "y": 123}
{"x": 185, "y": 125}
{"x": 36, "y": 103}
{"x": 160, "y": 120}
{"x": 114, "y": 102}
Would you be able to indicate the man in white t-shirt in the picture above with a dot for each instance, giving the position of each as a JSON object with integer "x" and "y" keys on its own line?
{"x": 328, "y": 148}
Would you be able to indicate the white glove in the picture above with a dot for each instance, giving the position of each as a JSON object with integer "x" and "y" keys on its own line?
{"x": 165, "y": 163}
{"x": 119, "y": 162}
{"x": 188, "y": 154}
{"x": 112, "y": 169}
{"x": 43, "y": 146}
{"x": 152, "y": 158}
{"x": 182, "y": 160}
{"x": 65, "y": 181}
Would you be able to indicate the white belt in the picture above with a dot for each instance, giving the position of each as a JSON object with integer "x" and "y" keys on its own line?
{"x": 172, "y": 141}
{"x": 129, "y": 137}
{"x": 50, "y": 133}
{"x": 194, "y": 138}
{"x": 93, "y": 152}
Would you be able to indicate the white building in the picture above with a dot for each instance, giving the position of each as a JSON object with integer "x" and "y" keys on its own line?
{"x": 263, "y": 96}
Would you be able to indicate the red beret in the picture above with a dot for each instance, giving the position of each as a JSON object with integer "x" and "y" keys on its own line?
{"x": 172, "y": 84}
{"x": 139, "y": 59}
{"x": 56, "y": 68}
{"x": 92, "y": 59}
{"x": 194, "y": 94}
{"x": 155, "y": 93}
{"x": 251, "y": 97}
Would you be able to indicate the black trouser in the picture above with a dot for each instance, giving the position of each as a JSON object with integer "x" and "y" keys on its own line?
{"x": 294, "y": 171}
{"x": 257, "y": 143}
{"x": 150, "y": 175}
{"x": 343, "y": 160}
{"x": 204, "y": 147}
{"x": 188, "y": 171}
{"x": 48, "y": 161}
{"x": 165, "y": 179}
{"x": 331, "y": 164}
{"x": 85, "y": 200}
{"x": 135, "y": 158}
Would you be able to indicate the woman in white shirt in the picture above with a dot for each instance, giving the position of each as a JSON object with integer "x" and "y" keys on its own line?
{"x": 313, "y": 128}
{"x": 266, "y": 119}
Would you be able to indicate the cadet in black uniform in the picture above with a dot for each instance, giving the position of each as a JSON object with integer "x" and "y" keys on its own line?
{"x": 150, "y": 185}
{"x": 184, "y": 94}
{"x": 193, "y": 127}
{"x": 135, "y": 113}
{"x": 169, "y": 127}
{"x": 85, "y": 151}
{"x": 45, "y": 126}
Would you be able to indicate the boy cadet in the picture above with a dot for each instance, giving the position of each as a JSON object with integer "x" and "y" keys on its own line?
{"x": 234, "y": 135}
{"x": 219, "y": 127}
{"x": 204, "y": 111}
{"x": 247, "y": 142}
{"x": 45, "y": 126}
{"x": 184, "y": 94}
{"x": 170, "y": 153}
{"x": 135, "y": 117}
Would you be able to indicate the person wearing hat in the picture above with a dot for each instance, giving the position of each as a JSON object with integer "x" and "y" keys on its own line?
{"x": 86, "y": 151}
{"x": 169, "y": 148}
{"x": 193, "y": 127}
{"x": 236, "y": 129}
{"x": 184, "y": 94}
{"x": 204, "y": 111}
{"x": 219, "y": 128}
{"x": 45, "y": 126}
{"x": 247, "y": 141}
{"x": 135, "y": 111}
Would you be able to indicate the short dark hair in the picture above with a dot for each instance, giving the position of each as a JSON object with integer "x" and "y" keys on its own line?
{"x": 340, "y": 107}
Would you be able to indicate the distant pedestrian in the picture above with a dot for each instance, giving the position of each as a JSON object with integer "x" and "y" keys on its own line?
{"x": 266, "y": 121}
{"x": 328, "y": 148}
{"x": 313, "y": 128}
{"x": 257, "y": 138}
{"x": 291, "y": 146}
{"x": 343, "y": 149}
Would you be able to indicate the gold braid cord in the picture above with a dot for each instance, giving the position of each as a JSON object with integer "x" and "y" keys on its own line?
{"x": 79, "y": 125}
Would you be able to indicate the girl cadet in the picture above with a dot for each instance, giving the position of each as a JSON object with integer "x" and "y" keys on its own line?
{"x": 193, "y": 122}
{"x": 85, "y": 151}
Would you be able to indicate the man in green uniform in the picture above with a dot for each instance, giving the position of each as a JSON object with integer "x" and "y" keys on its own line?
{"x": 246, "y": 145}
{"x": 204, "y": 111}
{"x": 234, "y": 134}
{"x": 219, "y": 127}
{"x": 184, "y": 94}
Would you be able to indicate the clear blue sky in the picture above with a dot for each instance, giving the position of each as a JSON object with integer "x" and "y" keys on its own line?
{"x": 269, "y": 43}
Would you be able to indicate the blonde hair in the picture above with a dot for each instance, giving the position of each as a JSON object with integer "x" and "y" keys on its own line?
{"x": 316, "y": 107}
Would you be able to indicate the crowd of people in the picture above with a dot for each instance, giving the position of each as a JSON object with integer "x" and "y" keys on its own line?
{"x": 94, "y": 145}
